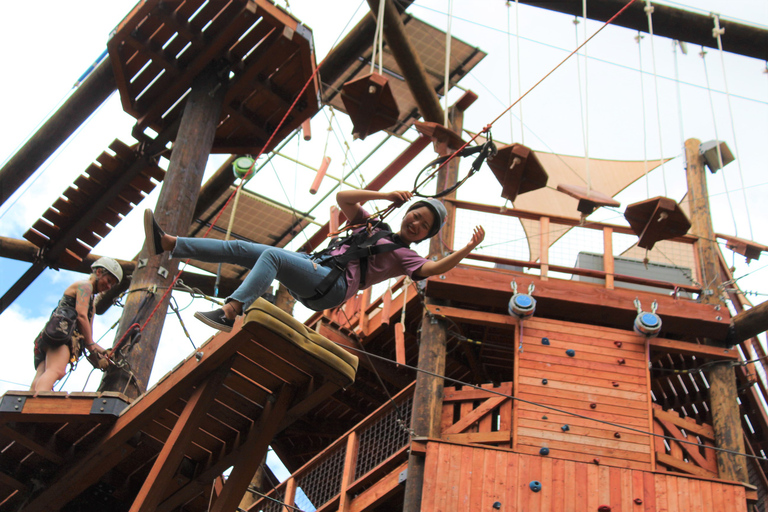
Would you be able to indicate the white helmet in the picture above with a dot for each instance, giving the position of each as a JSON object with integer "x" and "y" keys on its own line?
{"x": 110, "y": 266}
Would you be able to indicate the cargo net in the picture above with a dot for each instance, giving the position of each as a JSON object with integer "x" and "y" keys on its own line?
{"x": 317, "y": 486}
{"x": 382, "y": 439}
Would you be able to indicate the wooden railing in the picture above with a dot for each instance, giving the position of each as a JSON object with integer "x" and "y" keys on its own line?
{"x": 359, "y": 464}
{"x": 694, "y": 459}
{"x": 471, "y": 415}
{"x": 551, "y": 224}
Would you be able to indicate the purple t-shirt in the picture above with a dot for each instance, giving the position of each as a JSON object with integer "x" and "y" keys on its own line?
{"x": 382, "y": 266}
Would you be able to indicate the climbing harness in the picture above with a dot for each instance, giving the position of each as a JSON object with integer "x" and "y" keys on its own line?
{"x": 361, "y": 245}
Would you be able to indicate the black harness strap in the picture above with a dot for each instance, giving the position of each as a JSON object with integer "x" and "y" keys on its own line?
{"x": 361, "y": 247}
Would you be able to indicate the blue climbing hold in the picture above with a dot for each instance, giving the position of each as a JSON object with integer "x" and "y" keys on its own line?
{"x": 565, "y": 428}
{"x": 544, "y": 451}
{"x": 544, "y": 381}
{"x": 570, "y": 352}
{"x": 545, "y": 341}
{"x": 535, "y": 485}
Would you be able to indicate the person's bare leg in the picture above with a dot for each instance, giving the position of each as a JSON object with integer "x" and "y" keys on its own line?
{"x": 56, "y": 361}
{"x": 232, "y": 309}
{"x": 168, "y": 242}
{"x": 38, "y": 373}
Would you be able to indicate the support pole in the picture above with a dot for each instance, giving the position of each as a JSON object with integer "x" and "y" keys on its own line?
{"x": 174, "y": 209}
{"x": 428, "y": 392}
{"x": 726, "y": 419}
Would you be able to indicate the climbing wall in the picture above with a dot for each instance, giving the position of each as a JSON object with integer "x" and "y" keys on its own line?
{"x": 599, "y": 373}
{"x": 469, "y": 478}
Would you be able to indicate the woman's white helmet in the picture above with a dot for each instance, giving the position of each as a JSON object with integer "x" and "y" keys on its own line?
{"x": 110, "y": 266}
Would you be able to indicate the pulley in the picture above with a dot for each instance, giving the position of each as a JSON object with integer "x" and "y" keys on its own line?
{"x": 522, "y": 305}
{"x": 241, "y": 166}
{"x": 647, "y": 324}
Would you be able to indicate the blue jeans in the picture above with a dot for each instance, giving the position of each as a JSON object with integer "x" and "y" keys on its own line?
{"x": 295, "y": 270}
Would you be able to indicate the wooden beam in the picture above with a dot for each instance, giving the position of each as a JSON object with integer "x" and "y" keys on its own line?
{"x": 578, "y": 301}
{"x": 748, "y": 324}
{"x": 378, "y": 492}
{"x": 409, "y": 62}
{"x": 94, "y": 90}
{"x": 693, "y": 349}
{"x": 167, "y": 462}
{"x": 473, "y": 317}
{"x": 671, "y": 22}
{"x": 175, "y": 206}
{"x": 681, "y": 465}
{"x": 252, "y": 451}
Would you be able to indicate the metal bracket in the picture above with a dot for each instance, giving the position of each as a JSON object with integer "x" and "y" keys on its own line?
{"x": 402, "y": 477}
{"x": 161, "y": 271}
{"x": 11, "y": 403}
{"x": 108, "y": 405}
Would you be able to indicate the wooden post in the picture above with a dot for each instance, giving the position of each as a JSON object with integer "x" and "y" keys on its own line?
{"x": 544, "y": 247}
{"x": 428, "y": 393}
{"x": 608, "y": 263}
{"x": 175, "y": 205}
{"x": 726, "y": 419}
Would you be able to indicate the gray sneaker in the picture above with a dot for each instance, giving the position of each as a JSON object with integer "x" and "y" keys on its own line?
{"x": 216, "y": 319}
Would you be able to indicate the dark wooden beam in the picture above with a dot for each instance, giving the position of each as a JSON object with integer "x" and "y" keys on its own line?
{"x": 671, "y": 22}
{"x": 409, "y": 62}
{"x": 748, "y": 324}
{"x": 94, "y": 90}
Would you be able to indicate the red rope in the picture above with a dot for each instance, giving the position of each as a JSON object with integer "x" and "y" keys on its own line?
{"x": 487, "y": 127}
{"x": 242, "y": 182}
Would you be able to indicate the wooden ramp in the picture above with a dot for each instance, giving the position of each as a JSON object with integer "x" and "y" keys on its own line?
{"x": 219, "y": 409}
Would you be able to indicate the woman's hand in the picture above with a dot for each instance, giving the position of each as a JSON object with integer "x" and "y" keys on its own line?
{"x": 477, "y": 237}
{"x": 399, "y": 197}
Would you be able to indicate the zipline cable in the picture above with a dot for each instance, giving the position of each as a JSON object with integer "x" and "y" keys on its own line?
{"x": 550, "y": 72}
{"x": 648, "y": 12}
{"x": 718, "y": 32}
{"x": 703, "y": 55}
{"x": 639, "y": 38}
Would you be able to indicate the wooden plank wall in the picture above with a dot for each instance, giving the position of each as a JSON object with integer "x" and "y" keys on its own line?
{"x": 462, "y": 478}
{"x": 606, "y": 379}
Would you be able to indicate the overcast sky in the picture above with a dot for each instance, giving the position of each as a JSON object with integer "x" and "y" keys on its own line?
{"x": 45, "y": 46}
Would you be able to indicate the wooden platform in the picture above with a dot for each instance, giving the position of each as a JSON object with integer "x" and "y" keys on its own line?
{"x": 263, "y": 56}
{"x": 219, "y": 408}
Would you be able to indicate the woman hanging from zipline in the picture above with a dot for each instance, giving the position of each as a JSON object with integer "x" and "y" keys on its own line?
{"x": 326, "y": 279}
